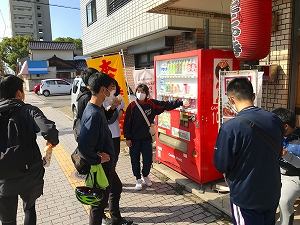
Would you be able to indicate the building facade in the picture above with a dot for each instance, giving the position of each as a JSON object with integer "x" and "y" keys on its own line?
{"x": 30, "y": 18}
{"x": 49, "y": 59}
{"x": 144, "y": 29}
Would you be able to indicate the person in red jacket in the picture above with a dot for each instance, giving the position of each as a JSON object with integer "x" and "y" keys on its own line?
{"x": 136, "y": 131}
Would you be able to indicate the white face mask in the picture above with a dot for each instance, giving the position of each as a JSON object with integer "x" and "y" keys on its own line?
{"x": 110, "y": 99}
{"x": 140, "y": 96}
{"x": 112, "y": 93}
{"x": 232, "y": 106}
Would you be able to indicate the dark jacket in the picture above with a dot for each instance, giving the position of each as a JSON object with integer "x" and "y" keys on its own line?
{"x": 252, "y": 169}
{"x": 83, "y": 98}
{"x": 47, "y": 129}
{"x": 293, "y": 145}
{"x": 95, "y": 136}
{"x": 135, "y": 126}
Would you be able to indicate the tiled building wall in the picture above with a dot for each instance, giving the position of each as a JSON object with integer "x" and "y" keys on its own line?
{"x": 130, "y": 22}
{"x": 275, "y": 94}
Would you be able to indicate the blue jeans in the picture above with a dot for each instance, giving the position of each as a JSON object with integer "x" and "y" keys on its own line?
{"x": 145, "y": 148}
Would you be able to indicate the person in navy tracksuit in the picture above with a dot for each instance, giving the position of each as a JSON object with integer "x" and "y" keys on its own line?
{"x": 289, "y": 166}
{"x": 251, "y": 168}
{"x": 136, "y": 131}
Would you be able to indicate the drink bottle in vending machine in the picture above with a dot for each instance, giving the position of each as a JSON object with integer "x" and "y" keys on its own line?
{"x": 186, "y": 136}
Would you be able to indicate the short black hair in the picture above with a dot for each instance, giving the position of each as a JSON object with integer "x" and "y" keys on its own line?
{"x": 118, "y": 90}
{"x": 9, "y": 85}
{"x": 86, "y": 74}
{"x": 144, "y": 87}
{"x": 287, "y": 116}
{"x": 241, "y": 88}
{"x": 98, "y": 80}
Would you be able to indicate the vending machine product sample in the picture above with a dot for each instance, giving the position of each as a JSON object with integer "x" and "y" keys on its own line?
{"x": 186, "y": 137}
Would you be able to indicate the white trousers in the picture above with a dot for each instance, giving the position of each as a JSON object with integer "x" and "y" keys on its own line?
{"x": 290, "y": 191}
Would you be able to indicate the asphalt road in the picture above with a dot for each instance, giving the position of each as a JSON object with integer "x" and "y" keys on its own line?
{"x": 59, "y": 102}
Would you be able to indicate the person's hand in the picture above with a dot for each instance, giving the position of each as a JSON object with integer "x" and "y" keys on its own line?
{"x": 115, "y": 104}
{"x": 129, "y": 143}
{"x": 186, "y": 104}
{"x": 284, "y": 151}
{"x": 50, "y": 145}
{"x": 104, "y": 156}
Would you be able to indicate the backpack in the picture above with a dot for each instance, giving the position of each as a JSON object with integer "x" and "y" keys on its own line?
{"x": 76, "y": 128}
{"x": 16, "y": 147}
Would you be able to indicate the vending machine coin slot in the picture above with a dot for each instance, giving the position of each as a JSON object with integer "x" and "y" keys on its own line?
{"x": 192, "y": 118}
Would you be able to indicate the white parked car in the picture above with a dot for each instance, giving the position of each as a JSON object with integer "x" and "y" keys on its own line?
{"x": 77, "y": 84}
{"x": 55, "y": 86}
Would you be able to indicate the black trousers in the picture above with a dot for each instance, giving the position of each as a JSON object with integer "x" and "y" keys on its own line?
{"x": 112, "y": 195}
{"x": 117, "y": 147}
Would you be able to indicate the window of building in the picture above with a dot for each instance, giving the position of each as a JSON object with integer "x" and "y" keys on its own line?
{"x": 146, "y": 60}
{"x": 38, "y": 7}
{"x": 91, "y": 12}
{"x": 114, "y": 5}
{"x": 40, "y": 23}
{"x": 40, "y": 31}
{"x": 39, "y": 15}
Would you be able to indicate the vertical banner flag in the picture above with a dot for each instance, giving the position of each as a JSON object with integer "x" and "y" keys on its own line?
{"x": 112, "y": 65}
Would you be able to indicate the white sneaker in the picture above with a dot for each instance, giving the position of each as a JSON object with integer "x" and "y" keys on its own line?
{"x": 147, "y": 181}
{"x": 138, "y": 185}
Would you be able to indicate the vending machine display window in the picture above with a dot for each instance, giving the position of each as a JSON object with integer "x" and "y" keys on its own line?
{"x": 186, "y": 136}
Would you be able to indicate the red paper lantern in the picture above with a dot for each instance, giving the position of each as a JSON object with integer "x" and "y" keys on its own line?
{"x": 251, "y": 22}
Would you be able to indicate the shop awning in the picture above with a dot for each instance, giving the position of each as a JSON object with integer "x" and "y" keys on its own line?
{"x": 37, "y": 67}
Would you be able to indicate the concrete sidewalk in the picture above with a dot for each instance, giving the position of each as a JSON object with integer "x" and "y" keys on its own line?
{"x": 164, "y": 203}
{"x": 173, "y": 198}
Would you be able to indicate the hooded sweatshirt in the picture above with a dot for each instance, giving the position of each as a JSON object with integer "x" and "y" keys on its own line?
{"x": 41, "y": 124}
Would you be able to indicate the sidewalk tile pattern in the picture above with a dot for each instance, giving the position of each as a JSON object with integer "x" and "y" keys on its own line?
{"x": 162, "y": 204}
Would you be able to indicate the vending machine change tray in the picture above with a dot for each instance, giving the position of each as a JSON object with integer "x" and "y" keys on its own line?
{"x": 173, "y": 142}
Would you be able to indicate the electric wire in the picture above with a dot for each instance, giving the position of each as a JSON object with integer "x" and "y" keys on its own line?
{"x": 41, "y": 3}
{"x": 3, "y": 24}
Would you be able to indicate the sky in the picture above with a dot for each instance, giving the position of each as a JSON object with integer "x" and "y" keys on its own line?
{"x": 65, "y": 22}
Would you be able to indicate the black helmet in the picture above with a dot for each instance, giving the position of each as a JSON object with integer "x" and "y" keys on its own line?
{"x": 89, "y": 196}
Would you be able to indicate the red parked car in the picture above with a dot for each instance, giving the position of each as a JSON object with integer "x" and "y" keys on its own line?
{"x": 36, "y": 89}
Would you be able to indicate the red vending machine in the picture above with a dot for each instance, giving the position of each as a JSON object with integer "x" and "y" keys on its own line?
{"x": 187, "y": 136}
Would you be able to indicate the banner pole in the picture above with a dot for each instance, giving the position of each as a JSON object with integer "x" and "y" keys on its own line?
{"x": 125, "y": 74}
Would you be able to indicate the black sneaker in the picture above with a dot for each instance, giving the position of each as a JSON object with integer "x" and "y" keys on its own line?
{"x": 123, "y": 222}
{"x": 106, "y": 221}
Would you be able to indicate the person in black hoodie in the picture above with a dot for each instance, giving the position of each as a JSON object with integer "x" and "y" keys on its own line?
{"x": 28, "y": 186}
{"x": 84, "y": 95}
{"x": 289, "y": 166}
{"x": 136, "y": 131}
